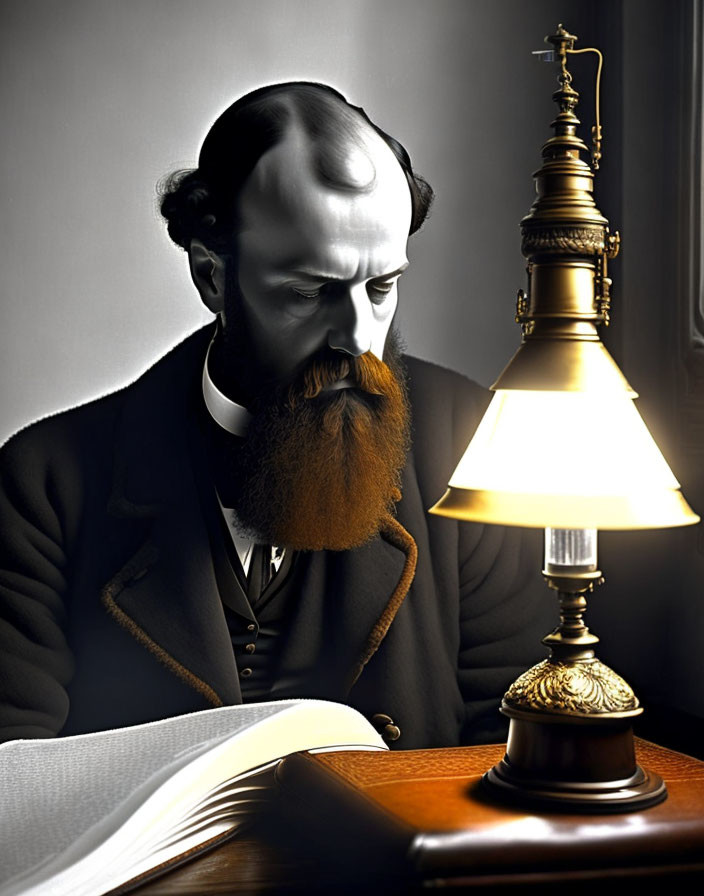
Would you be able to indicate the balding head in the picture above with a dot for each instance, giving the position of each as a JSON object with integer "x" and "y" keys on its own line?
{"x": 326, "y": 189}
{"x": 204, "y": 203}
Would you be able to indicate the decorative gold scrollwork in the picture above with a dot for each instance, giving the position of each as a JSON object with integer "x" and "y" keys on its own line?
{"x": 603, "y": 301}
{"x": 613, "y": 244}
{"x": 522, "y": 318}
{"x": 571, "y": 688}
{"x": 563, "y": 240}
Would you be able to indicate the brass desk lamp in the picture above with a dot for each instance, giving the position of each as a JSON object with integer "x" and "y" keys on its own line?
{"x": 562, "y": 446}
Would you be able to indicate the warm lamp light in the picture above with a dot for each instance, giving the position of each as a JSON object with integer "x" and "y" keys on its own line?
{"x": 605, "y": 472}
{"x": 562, "y": 446}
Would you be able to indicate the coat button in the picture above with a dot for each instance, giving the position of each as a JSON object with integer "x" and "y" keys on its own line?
{"x": 386, "y": 727}
{"x": 251, "y": 627}
{"x": 250, "y": 648}
{"x": 245, "y": 673}
{"x": 391, "y": 733}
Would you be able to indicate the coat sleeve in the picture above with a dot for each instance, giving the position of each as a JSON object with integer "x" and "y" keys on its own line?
{"x": 35, "y": 527}
{"x": 497, "y": 592}
{"x": 505, "y": 610}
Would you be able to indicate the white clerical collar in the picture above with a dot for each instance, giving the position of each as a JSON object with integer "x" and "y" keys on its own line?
{"x": 231, "y": 416}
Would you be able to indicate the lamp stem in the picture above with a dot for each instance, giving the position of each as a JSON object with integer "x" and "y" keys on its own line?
{"x": 571, "y": 641}
{"x": 570, "y": 569}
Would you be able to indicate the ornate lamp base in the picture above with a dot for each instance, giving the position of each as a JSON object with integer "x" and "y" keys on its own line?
{"x": 570, "y": 743}
{"x": 580, "y": 764}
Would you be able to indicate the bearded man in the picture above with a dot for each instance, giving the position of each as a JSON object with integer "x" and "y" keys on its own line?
{"x": 248, "y": 520}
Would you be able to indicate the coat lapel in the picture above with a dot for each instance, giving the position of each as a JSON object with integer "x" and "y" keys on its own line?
{"x": 342, "y": 597}
{"x": 166, "y": 595}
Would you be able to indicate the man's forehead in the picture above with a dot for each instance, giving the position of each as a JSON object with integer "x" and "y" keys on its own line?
{"x": 289, "y": 185}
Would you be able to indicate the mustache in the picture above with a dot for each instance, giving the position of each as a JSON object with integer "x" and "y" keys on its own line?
{"x": 366, "y": 373}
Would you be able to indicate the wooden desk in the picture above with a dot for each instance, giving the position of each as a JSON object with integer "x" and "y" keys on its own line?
{"x": 502, "y": 848}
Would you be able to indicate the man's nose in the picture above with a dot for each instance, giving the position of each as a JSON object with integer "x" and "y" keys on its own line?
{"x": 351, "y": 328}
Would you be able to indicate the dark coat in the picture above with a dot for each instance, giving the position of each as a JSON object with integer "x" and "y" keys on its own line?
{"x": 109, "y": 610}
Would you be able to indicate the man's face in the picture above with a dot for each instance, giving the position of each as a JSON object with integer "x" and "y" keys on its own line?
{"x": 318, "y": 266}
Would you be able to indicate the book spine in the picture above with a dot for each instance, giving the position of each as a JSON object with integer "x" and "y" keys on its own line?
{"x": 333, "y": 817}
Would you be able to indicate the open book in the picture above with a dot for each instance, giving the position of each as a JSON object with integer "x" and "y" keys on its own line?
{"x": 88, "y": 813}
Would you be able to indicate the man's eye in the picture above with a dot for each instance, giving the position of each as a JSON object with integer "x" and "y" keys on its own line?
{"x": 307, "y": 293}
{"x": 379, "y": 291}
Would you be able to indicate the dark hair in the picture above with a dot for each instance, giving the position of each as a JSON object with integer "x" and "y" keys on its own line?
{"x": 201, "y": 203}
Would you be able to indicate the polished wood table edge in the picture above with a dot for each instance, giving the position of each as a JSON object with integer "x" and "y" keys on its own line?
{"x": 251, "y": 863}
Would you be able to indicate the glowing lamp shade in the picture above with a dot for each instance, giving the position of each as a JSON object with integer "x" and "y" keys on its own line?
{"x": 565, "y": 460}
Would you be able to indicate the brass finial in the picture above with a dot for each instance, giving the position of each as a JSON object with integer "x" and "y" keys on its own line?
{"x": 566, "y": 98}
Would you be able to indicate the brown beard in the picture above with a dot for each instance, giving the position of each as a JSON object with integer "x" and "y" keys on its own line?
{"x": 319, "y": 469}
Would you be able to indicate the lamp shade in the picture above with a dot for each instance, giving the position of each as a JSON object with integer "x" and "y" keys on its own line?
{"x": 565, "y": 459}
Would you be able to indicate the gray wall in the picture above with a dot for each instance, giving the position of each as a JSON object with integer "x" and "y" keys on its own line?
{"x": 101, "y": 98}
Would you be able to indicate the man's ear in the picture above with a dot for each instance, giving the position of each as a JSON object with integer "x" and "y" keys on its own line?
{"x": 208, "y": 273}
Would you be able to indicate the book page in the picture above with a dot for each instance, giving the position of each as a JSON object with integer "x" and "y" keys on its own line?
{"x": 121, "y": 802}
{"x": 53, "y": 791}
